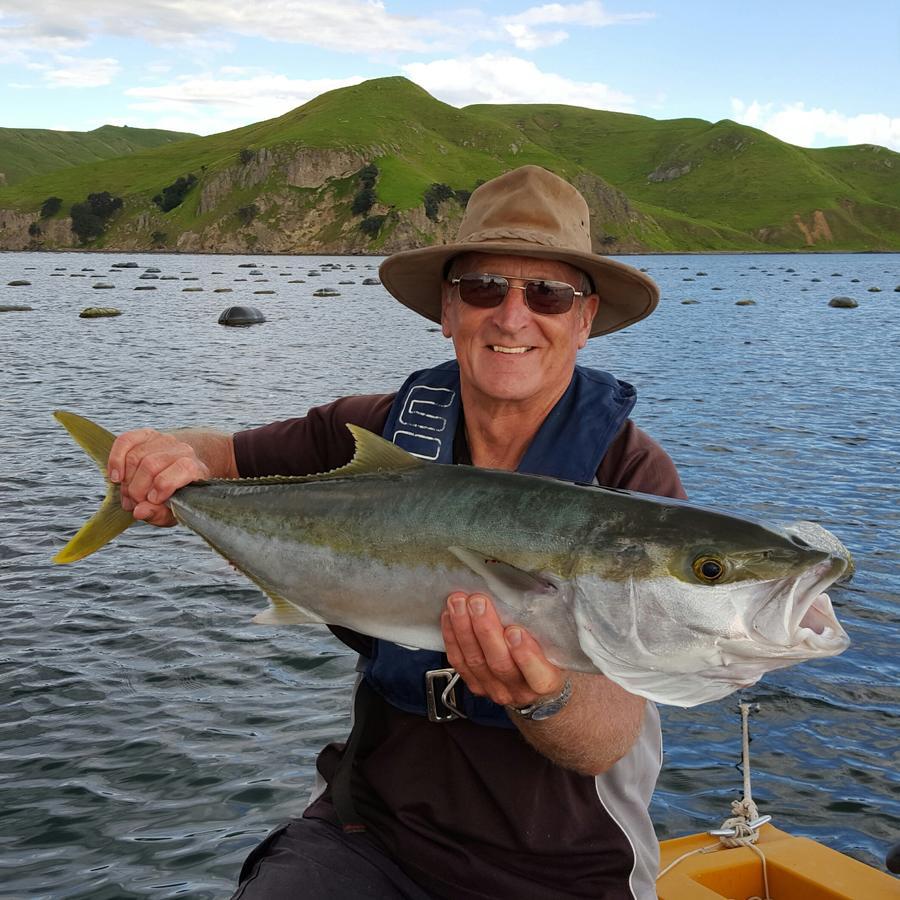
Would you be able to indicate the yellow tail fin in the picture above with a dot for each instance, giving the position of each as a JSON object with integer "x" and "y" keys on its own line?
{"x": 110, "y": 520}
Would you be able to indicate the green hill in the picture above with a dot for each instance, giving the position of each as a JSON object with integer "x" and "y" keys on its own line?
{"x": 727, "y": 173}
{"x": 298, "y": 182}
{"x": 25, "y": 152}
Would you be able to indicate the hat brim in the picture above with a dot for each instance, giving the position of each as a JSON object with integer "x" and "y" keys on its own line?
{"x": 414, "y": 277}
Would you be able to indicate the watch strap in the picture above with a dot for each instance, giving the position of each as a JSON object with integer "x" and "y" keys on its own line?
{"x": 546, "y": 706}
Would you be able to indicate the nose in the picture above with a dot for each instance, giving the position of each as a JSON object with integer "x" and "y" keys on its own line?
{"x": 512, "y": 314}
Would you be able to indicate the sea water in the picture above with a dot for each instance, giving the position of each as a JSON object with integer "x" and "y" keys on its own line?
{"x": 150, "y": 735}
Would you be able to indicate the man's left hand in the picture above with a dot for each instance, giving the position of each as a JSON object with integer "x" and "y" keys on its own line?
{"x": 504, "y": 664}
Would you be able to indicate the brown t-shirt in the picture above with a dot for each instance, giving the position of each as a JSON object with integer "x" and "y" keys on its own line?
{"x": 473, "y": 812}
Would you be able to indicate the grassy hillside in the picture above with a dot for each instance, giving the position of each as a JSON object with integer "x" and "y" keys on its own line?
{"x": 25, "y": 152}
{"x": 724, "y": 172}
{"x": 683, "y": 184}
{"x": 388, "y": 118}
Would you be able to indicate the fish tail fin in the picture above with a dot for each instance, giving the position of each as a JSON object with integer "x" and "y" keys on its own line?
{"x": 110, "y": 520}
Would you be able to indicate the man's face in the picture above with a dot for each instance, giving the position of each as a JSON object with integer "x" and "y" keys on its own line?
{"x": 510, "y": 353}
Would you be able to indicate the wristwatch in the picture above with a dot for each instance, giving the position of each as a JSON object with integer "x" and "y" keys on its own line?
{"x": 545, "y": 707}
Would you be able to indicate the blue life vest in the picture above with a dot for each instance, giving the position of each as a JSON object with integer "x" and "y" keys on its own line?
{"x": 569, "y": 445}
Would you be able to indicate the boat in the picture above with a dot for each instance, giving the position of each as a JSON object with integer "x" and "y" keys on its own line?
{"x": 796, "y": 868}
{"x": 748, "y": 858}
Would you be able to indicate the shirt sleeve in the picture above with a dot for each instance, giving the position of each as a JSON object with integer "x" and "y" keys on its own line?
{"x": 635, "y": 462}
{"x": 313, "y": 443}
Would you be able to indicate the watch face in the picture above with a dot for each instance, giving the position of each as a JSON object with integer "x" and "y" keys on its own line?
{"x": 550, "y": 709}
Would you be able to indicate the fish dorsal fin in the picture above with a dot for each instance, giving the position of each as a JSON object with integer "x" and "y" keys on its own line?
{"x": 375, "y": 454}
{"x": 372, "y": 454}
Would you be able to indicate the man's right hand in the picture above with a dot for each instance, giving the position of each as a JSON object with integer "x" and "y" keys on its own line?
{"x": 149, "y": 466}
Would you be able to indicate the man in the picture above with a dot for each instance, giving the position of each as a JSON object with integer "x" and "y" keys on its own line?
{"x": 523, "y": 780}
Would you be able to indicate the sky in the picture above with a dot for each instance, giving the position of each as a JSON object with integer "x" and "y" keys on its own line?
{"x": 817, "y": 74}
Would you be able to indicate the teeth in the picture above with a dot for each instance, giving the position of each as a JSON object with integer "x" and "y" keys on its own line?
{"x": 498, "y": 349}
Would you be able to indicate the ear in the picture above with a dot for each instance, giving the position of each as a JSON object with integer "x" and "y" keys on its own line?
{"x": 587, "y": 312}
{"x": 445, "y": 304}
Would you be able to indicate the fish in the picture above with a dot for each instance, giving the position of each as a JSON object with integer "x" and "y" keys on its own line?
{"x": 675, "y": 602}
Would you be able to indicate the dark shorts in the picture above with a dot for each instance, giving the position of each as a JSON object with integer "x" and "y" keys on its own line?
{"x": 309, "y": 859}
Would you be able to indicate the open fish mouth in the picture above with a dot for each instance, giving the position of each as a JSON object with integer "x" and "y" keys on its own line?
{"x": 799, "y": 617}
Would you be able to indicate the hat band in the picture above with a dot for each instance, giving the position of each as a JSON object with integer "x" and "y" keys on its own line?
{"x": 515, "y": 234}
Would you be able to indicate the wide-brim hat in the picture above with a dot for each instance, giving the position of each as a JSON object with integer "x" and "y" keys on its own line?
{"x": 526, "y": 212}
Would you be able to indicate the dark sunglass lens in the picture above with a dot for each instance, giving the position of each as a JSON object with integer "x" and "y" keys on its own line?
{"x": 483, "y": 290}
{"x": 549, "y": 297}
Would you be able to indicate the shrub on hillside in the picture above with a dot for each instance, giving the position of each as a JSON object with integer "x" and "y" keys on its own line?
{"x": 103, "y": 204}
{"x": 434, "y": 196}
{"x": 371, "y": 225}
{"x": 85, "y": 223}
{"x": 368, "y": 175}
{"x": 50, "y": 207}
{"x": 246, "y": 214}
{"x": 365, "y": 198}
{"x": 173, "y": 195}
{"x": 246, "y": 156}
{"x": 159, "y": 238}
{"x": 363, "y": 202}
{"x": 35, "y": 230}
{"x": 89, "y": 218}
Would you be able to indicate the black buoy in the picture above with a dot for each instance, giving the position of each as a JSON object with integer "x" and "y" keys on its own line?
{"x": 892, "y": 860}
{"x": 241, "y": 315}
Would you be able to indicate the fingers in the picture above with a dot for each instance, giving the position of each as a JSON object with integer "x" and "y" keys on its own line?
{"x": 154, "y": 514}
{"x": 149, "y": 467}
{"x": 115, "y": 465}
{"x": 157, "y": 475}
{"x": 505, "y": 664}
{"x": 455, "y": 656}
{"x": 540, "y": 674}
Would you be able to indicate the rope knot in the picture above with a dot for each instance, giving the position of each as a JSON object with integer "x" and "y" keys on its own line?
{"x": 743, "y": 833}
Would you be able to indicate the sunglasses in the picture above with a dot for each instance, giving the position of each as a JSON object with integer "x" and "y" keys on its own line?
{"x": 548, "y": 298}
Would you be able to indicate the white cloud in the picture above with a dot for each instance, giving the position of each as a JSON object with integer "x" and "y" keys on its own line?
{"x": 495, "y": 78}
{"x": 350, "y": 26}
{"x": 78, "y": 72}
{"x": 524, "y": 27}
{"x": 588, "y": 14}
{"x": 526, "y": 38}
{"x": 210, "y": 103}
{"x": 816, "y": 127}
{"x": 355, "y": 26}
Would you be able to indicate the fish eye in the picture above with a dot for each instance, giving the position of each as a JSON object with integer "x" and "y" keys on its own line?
{"x": 708, "y": 569}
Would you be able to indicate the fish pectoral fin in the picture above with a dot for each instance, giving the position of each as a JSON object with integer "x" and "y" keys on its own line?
{"x": 506, "y": 581}
{"x": 283, "y": 612}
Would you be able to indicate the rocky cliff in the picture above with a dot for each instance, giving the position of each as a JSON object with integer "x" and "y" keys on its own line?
{"x": 295, "y": 200}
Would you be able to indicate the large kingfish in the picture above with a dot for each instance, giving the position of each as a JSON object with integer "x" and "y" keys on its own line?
{"x": 674, "y": 602}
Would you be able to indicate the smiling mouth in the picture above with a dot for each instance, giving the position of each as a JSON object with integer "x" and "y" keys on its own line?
{"x": 499, "y": 349}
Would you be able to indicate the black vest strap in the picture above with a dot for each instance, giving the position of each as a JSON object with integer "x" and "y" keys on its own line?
{"x": 342, "y": 782}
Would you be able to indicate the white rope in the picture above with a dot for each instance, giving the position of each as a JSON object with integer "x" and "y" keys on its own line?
{"x": 671, "y": 865}
{"x": 741, "y": 829}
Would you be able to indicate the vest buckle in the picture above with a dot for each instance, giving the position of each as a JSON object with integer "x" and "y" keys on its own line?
{"x": 440, "y": 695}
